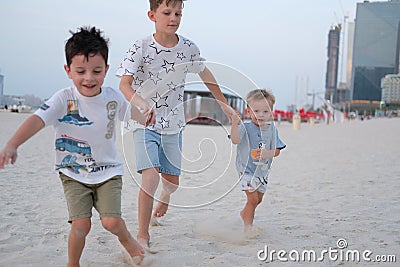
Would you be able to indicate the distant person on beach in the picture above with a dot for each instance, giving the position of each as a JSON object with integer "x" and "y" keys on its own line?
{"x": 85, "y": 118}
{"x": 257, "y": 143}
{"x": 153, "y": 74}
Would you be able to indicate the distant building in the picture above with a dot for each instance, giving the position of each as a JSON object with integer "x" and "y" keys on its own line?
{"x": 350, "y": 44}
{"x": 332, "y": 67}
{"x": 202, "y": 108}
{"x": 391, "y": 89}
{"x": 375, "y": 45}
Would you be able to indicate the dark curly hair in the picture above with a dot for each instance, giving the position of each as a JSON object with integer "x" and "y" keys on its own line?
{"x": 87, "y": 41}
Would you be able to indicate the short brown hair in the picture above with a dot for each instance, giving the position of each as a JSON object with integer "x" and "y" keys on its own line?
{"x": 154, "y": 4}
{"x": 259, "y": 94}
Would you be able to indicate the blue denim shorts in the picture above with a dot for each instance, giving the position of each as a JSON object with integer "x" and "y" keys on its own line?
{"x": 154, "y": 150}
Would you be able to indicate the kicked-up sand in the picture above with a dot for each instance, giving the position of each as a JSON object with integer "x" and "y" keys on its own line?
{"x": 333, "y": 196}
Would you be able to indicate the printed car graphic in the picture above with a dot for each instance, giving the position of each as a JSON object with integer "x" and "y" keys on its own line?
{"x": 73, "y": 145}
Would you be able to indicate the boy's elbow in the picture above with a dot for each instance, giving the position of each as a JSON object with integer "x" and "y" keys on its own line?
{"x": 277, "y": 152}
{"x": 126, "y": 82}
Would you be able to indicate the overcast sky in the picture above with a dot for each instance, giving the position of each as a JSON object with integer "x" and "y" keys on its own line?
{"x": 271, "y": 43}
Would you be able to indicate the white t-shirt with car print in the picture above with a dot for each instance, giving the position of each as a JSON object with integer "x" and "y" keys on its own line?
{"x": 85, "y": 132}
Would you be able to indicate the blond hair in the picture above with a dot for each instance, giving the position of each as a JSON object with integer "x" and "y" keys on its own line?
{"x": 259, "y": 94}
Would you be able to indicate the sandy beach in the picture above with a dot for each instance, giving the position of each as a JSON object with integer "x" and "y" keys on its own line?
{"x": 334, "y": 188}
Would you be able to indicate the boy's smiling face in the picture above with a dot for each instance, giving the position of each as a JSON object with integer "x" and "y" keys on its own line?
{"x": 87, "y": 74}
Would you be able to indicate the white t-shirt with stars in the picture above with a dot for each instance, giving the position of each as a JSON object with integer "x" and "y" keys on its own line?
{"x": 159, "y": 78}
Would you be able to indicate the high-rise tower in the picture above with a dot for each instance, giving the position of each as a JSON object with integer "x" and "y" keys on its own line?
{"x": 332, "y": 67}
{"x": 374, "y": 50}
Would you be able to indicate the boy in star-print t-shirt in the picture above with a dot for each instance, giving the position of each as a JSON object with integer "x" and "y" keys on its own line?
{"x": 153, "y": 74}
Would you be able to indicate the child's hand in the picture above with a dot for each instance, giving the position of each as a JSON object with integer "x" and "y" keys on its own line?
{"x": 148, "y": 112}
{"x": 236, "y": 119}
{"x": 229, "y": 111}
{"x": 267, "y": 154}
{"x": 7, "y": 155}
{"x": 145, "y": 119}
{"x": 150, "y": 117}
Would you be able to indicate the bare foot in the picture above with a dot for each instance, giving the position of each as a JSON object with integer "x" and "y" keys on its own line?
{"x": 154, "y": 221}
{"x": 131, "y": 260}
{"x": 134, "y": 251}
{"x": 162, "y": 205}
{"x": 145, "y": 243}
{"x": 247, "y": 227}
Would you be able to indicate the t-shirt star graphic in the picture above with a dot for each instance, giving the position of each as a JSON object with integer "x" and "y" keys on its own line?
{"x": 180, "y": 55}
{"x": 160, "y": 101}
{"x": 172, "y": 86}
{"x": 164, "y": 123}
{"x": 128, "y": 72}
{"x": 147, "y": 59}
{"x": 153, "y": 45}
{"x": 134, "y": 47}
{"x": 168, "y": 66}
{"x": 181, "y": 124}
{"x": 174, "y": 111}
{"x": 187, "y": 42}
{"x": 154, "y": 77}
{"x": 130, "y": 59}
{"x": 138, "y": 82}
{"x": 140, "y": 69}
{"x": 132, "y": 51}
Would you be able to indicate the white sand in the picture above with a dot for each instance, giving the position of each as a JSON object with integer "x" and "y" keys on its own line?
{"x": 332, "y": 182}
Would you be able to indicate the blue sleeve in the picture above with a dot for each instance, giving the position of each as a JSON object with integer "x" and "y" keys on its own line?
{"x": 279, "y": 143}
{"x": 242, "y": 130}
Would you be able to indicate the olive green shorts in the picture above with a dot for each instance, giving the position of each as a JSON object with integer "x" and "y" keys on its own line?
{"x": 81, "y": 198}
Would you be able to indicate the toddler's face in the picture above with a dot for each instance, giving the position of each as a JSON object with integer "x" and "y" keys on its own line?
{"x": 260, "y": 111}
{"x": 87, "y": 75}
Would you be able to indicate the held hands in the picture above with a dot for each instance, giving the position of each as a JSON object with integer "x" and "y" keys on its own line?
{"x": 150, "y": 116}
{"x": 146, "y": 110}
{"x": 236, "y": 119}
{"x": 231, "y": 114}
{"x": 8, "y": 155}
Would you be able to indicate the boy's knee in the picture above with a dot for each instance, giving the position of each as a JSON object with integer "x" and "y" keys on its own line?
{"x": 111, "y": 224}
{"x": 81, "y": 227}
